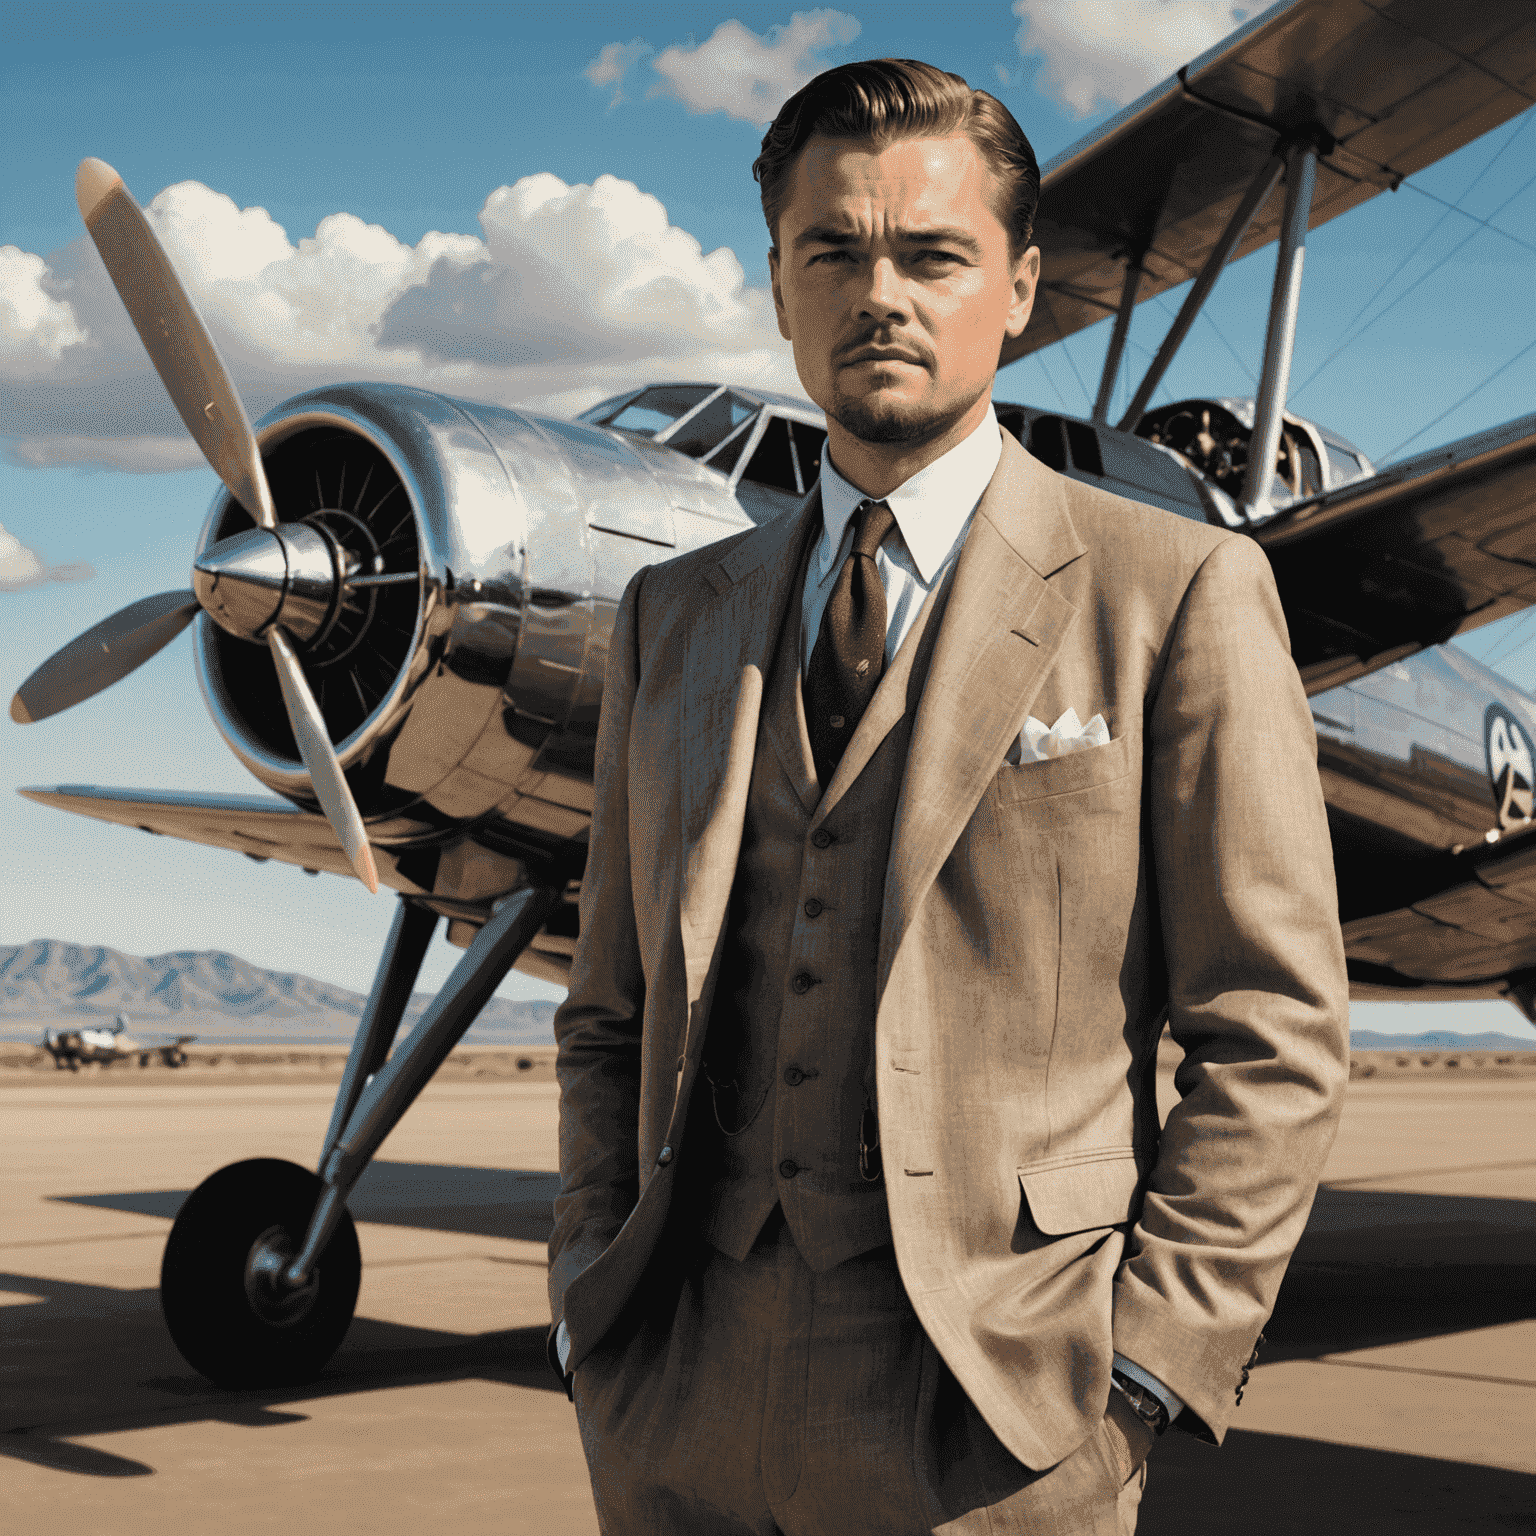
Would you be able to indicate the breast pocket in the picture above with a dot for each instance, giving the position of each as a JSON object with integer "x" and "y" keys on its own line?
{"x": 1084, "y": 769}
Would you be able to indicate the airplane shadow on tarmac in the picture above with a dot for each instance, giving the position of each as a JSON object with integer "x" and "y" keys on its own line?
{"x": 435, "y": 1197}
{"x": 1374, "y": 1268}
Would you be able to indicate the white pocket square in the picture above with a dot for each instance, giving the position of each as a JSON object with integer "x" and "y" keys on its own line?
{"x": 1039, "y": 742}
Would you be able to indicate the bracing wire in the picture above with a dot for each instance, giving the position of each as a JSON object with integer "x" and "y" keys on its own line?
{"x": 1221, "y": 336}
{"x": 1076, "y": 375}
{"x": 1449, "y": 410}
{"x": 1451, "y": 208}
{"x": 1386, "y": 309}
{"x": 1519, "y": 127}
{"x": 1061, "y": 400}
{"x": 1511, "y": 641}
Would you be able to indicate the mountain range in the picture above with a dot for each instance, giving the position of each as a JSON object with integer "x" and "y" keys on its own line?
{"x": 210, "y": 993}
{"x": 1439, "y": 1040}
{"x": 217, "y": 995}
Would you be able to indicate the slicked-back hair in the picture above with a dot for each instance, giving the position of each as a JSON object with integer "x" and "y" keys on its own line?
{"x": 882, "y": 100}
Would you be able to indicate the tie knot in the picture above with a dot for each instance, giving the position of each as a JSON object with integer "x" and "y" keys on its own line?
{"x": 873, "y": 520}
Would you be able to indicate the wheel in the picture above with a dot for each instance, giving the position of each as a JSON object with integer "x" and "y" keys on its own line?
{"x": 230, "y": 1322}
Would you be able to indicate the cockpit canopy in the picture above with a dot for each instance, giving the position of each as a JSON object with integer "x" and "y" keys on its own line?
{"x": 767, "y": 445}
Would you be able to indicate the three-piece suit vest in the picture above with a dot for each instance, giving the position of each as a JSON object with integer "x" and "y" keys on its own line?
{"x": 789, "y": 1117}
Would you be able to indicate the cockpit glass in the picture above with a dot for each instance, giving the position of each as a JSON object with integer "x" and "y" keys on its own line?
{"x": 712, "y": 425}
{"x": 656, "y": 409}
{"x": 1342, "y": 465}
{"x": 604, "y": 408}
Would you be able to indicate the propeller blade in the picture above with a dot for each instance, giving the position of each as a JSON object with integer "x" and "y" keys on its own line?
{"x": 314, "y": 740}
{"x": 105, "y": 654}
{"x": 174, "y": 335}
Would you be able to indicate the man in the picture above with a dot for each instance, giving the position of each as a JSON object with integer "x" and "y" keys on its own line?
{"x": 866, "y": 1219}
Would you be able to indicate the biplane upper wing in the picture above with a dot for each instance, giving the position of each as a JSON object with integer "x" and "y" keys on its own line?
{"x": 1390, "y": 86}
{"x": 1429, "y": 548}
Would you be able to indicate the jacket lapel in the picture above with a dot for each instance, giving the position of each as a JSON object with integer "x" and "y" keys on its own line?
{"x": 784, "y": 723}
{"x": 730, "y": 646}
{"x": 1004, "y": 624}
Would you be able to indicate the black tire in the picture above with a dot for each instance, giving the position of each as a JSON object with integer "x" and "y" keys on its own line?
{"x": 203, "y": 1293}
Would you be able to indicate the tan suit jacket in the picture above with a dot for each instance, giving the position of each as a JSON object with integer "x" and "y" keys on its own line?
{"x": 1039, "y": 924}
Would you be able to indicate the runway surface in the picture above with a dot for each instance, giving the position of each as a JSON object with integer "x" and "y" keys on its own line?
{"x": 1397, "y": 1392}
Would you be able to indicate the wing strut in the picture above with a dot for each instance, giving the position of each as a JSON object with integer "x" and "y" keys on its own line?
{"x": 1231, "y": 237}
{"x": 1117, "y": 341}
{"x": 1280, "y": 339}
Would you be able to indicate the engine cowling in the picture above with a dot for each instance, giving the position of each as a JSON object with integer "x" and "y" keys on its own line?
{"x": 469, "y": 697}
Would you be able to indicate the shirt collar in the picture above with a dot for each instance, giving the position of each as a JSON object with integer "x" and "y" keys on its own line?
{"x": 931, "y": 509}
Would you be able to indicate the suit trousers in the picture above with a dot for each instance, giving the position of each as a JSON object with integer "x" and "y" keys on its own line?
{"x": 761, "y": 1398}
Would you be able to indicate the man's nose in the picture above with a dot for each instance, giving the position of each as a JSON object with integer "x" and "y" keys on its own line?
{"x": 884, "y": 297}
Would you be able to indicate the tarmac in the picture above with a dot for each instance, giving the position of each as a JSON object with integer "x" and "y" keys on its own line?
{"x": 1396, "y": 1391}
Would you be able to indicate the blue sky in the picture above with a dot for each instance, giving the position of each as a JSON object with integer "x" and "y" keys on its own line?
{"x": 408, "y": 119}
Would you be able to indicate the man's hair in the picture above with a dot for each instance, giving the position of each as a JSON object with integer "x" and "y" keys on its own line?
{"x": 883, "y": 100}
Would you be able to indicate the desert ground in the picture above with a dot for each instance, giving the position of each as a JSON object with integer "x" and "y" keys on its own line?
{"x": 1395, "y": 1392}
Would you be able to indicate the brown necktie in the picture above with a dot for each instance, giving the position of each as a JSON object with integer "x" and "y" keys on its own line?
{"x": 849, "y": 655}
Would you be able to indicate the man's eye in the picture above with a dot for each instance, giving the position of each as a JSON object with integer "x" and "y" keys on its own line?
{"x": 946, "y": 258}
{"x": 832, "y": 256}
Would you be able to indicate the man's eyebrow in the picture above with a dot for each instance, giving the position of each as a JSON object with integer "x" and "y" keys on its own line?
{"x": 827, "y": 234}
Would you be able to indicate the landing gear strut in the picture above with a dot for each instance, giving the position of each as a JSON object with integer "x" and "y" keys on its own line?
{"x": 261, "y": 1272}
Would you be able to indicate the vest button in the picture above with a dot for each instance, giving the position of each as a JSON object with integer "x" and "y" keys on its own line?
{"x": 813, "y": 908}
{"x": 793, "y": 1076}
{"x": 803, "y": 982}
{"x": 821, "y": 838}
{"x": 788, "y": 1168}
{"x": 664, "y": 1157}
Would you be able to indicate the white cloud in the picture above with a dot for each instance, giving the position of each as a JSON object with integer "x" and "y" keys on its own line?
{"x": 747, "y": 76}
{"x": 1099, "y": 51}
{"x": 20, "y": 567}
{"x": 35, "y": 327}
{"x": 568, "y": 294}
{"x": 134, "y": 455}
{"x": 613, "y": 63}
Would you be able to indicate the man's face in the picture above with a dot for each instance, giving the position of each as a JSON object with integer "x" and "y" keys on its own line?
{"x": 894, "y": 282}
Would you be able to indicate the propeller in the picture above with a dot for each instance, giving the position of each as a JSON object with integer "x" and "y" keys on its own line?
{"x": 272, "y": 584}
{"x": 103, "y": 654}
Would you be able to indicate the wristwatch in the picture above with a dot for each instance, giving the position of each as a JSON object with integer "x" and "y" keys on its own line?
{"x": 1147, "y": 1405}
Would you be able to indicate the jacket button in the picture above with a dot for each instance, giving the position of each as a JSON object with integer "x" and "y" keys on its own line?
{"x": 814, "y": 908}
{"x": 664, "y": 1157}
{"x": 803, "y": 982}
{"x": 821, "y": 838}
{"x": 793, "y": 1076}
{"x": 788, "y": 1168}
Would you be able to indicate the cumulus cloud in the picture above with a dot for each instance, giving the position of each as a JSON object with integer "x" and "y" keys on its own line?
{"x": 1111, "y": 51}
{"x": 613, "y": 63}
{"x": 21, "y": 567}
{"x": 747, "y": 76}
{"x": 35, "y": 327}
{"x": 569, "y": 293}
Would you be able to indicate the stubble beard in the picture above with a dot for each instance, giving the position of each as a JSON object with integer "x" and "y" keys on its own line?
{"x": 890, "y": 421}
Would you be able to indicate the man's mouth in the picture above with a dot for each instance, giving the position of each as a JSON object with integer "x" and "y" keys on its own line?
{"x": 882, "y": 355}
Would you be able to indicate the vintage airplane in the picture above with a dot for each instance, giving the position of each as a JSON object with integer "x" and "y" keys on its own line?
{"x": 72, "y": 1049}
{"x": 403, "y": 601}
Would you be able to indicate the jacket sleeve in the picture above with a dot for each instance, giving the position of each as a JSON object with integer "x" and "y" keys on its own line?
{"x": 1258, "y": 996}
{"x": 597, "y": 1027}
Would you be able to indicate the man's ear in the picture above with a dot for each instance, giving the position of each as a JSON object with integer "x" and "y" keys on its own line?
{"x": 1026, "y": 278}
{"x": 778, "y": 293}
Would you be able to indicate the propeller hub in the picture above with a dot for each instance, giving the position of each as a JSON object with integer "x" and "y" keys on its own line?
{"x": 269, "y": 576}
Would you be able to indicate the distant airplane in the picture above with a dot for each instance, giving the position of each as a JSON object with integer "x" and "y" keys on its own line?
{"x": 404, "y": 601}
{"x": 72, "y": 1049}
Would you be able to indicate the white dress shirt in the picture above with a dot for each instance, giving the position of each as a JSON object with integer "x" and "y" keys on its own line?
{"x": 933, "y": 512}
